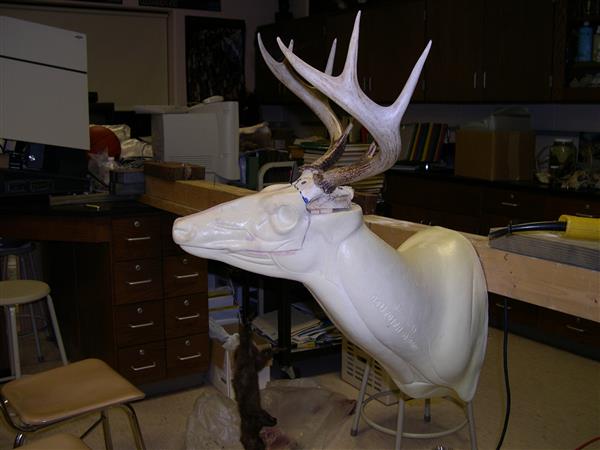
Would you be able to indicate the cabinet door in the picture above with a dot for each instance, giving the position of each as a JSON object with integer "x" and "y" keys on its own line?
{"x": 517, "y": 51}
{"x": 574, "y": 80}
{"x": 394, "y": 36}
{"x": 452, "y": 72}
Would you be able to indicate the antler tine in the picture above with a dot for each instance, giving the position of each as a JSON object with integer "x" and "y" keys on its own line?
{"x": 314, "y": 99}
{"x": 383, "y": 122}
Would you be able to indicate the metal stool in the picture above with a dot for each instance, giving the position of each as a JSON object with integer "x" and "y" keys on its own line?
{"x": 23, "y": 292}
{"x": 26, "y": 268}
{"x": 399, "y": 431}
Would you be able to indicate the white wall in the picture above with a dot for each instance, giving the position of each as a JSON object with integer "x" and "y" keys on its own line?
{"x": 253, "y": 12}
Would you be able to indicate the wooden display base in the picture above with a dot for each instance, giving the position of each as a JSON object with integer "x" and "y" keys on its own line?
{"x": 560, "y": 287}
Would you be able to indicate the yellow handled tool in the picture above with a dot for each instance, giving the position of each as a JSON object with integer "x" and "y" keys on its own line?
{"x": 581, "y": 227}
{"x": 574, "y": 227}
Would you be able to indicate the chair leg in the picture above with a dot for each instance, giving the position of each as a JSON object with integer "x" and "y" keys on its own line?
{"x": 135, "y": 427}
{"x": 471, "y": 418}
{"x": 106, "y": 430}
{"x": 59, "y": 341}
{"x": 427, "y": 412}
{"x": 399, "y": 423}
{"x": 361, "y": 398}
{"x": 36, "y": 335}
{"x": 15, "y": 341}
{"x": 19, "y": 440}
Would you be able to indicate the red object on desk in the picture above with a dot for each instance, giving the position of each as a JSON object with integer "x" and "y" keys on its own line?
{"x": 103, "y": 139}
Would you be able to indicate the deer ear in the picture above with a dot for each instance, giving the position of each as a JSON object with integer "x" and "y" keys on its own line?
{"x": 285, "y": 218}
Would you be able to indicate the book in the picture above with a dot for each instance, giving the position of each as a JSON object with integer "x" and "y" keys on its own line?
{"x": 267, "y": 324}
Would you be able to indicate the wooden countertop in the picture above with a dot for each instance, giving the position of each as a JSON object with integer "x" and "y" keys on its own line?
{"x": 561, "y": 287}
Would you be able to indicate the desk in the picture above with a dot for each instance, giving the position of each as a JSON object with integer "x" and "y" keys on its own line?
{"x": 116, "y": 281}
{"x": 560, "y": 287}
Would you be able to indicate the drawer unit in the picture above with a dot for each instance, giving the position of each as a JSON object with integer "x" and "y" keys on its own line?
{"x": 139, "y": 323}
{"x": 169, "y": 247}
{"x": 513, "y": 204}
{"x": 184, "y": 274}
{"x": 187, "y": 354}
{"x": 136, "y": 237}
{"x": 574, "y": 329}
{"x": 186, "y": 315}
{"x": 143, "y": 363}
{"x": 520, "y": 314}
{"x": 138, "y": 280}
{"x": 573, "y": 206}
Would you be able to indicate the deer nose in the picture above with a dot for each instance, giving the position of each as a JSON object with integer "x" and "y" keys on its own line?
{"x": 183, "y": 231}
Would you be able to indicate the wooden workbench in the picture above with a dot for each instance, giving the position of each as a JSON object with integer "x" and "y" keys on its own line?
{"x": 560, "y": 287}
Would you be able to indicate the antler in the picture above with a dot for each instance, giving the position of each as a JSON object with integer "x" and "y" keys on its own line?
{"x": 382, "y": 122}
{"x": 315, "y": 100}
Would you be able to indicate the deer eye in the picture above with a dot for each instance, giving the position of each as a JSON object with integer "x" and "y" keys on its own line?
{"x": 284, "y": 219}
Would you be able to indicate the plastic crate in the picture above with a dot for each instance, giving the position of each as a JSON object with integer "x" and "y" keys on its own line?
{"x": 354, "y": 361}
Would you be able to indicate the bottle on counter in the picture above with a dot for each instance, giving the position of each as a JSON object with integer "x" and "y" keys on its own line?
{"x": 596, "y": 45}
{"x": 584, "y": 43}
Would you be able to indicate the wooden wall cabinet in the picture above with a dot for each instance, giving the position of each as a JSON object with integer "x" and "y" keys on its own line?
{"x": 392, "y": 38}
{"x": 490, "y": 50}
{"x": 569, "y": 74}
{"x": 483, "y": 50}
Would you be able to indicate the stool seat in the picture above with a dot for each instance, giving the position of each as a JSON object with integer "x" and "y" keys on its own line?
{"x": 50, "y": 396}
{"x": 17, "y": 292}
{"x": 62, "y": 441}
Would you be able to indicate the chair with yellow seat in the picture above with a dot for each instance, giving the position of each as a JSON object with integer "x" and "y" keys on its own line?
{"x": 89, "y": 386}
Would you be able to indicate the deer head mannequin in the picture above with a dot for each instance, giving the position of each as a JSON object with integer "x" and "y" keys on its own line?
{"x": 420, "y": 310}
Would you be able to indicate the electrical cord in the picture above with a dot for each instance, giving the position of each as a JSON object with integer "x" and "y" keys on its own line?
{"x": 506, "y": 380}
{"x": 532, "y": 226}
{"x": 585, "y": 444}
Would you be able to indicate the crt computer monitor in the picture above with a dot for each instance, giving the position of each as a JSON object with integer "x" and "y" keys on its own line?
{"x": 206, "y": 134}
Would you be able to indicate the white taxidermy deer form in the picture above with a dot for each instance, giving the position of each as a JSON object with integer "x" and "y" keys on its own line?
{"x": 420, "y": 310}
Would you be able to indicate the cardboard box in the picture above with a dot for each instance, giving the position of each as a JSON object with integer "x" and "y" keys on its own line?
{"x": 220, "y": 372}
{"x": 495, "y": 155}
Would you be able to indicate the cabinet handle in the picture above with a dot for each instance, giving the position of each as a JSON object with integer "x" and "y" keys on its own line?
{"x": 474, "y": 80}
{"x": 574, "y": 328}
{"x": 189, "y": 275}
{"x": 143, "y": 238}
{"x": 135, "y": 283}
{"x": 500, "y": 305}
{"x": 484, "y": 78}
{"x": 141, "y": 325}
{"x": 149, "y": 366}
{"x": 590, "y": 216}
{"x": 369, "y": 84}
{"x": 513, "y": 205}
{"x": 185, "y": 358}
{"x": 193, "y": 316}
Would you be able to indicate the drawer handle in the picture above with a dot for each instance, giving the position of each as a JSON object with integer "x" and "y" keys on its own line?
{"x": 143, "y": 238}
{"x": 511, "y": 204}
{"x": 149, "y": 366}
{"x": 500, "y": 305}
{"x": 574, "y": 328}
{"x": 185, "y": 358}
{"x": 135, "y": 283}
{"x": 141, "y": 325}
{"x": 193, "y": 316}
{"x": 189, "y": 275}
